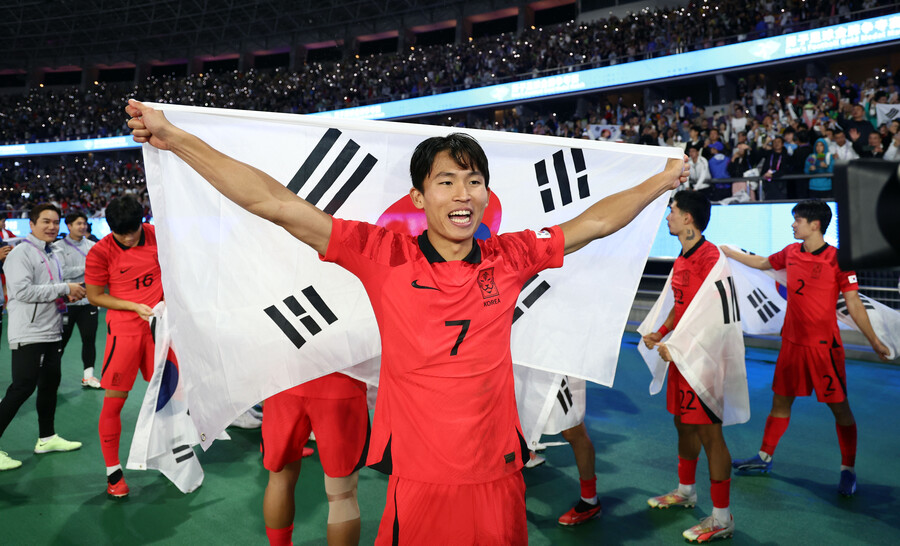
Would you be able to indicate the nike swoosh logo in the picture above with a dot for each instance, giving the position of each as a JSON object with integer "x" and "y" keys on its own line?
{"x": 415, "y": 284}
{"x": 124, "y": 270}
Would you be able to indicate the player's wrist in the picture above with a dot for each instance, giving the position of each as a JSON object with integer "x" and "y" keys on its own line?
{"x": 663, "y": 330}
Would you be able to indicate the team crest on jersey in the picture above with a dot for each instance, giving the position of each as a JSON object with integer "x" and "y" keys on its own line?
{"x": 486, "y": 283}
{"x": 817, "y": 270}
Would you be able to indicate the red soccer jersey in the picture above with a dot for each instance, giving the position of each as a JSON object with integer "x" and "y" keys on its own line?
{"x": 132, "y": 274}
{"x": 814, "y": 281}
{"x": 689, "y": 272}
{"x": 446, "y": 408}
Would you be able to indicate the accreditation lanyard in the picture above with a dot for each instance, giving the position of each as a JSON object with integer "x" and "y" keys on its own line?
{"x": 47, "y": 265}
{"x": 66, "y": 240}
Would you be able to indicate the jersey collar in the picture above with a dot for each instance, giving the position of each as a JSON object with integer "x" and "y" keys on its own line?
{"x": 140, "y": 242}
{"x": 694, "y": 248}
{"x": 815, "y": 252}
{"x": 433, "y": 257}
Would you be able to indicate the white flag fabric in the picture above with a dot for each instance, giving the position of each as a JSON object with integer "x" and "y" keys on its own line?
{"x": 762, "y": 298}
{"x": 164, "y": 435}
{"x": 885, "y": 321}
{"x": 763, "y": 304}
{"x": 886, "y": 113}
{"x": 707, "y": 346}
{"x": 254, "y": 311}
{"x": 548, "y": 403}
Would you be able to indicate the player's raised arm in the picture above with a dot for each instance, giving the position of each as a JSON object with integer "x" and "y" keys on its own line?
{"x": 614, "y": 212}
{"x": 750, "y": 260}
{"x": 248, "y": 187}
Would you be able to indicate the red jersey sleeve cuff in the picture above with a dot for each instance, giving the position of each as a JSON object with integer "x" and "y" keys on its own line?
{"x": 331, "y": 253}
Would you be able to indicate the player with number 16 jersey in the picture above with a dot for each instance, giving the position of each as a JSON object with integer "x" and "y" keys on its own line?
{"x": 122, "y": 274}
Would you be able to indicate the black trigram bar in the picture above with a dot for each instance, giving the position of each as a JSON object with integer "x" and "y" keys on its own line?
{"x": 734, "y": 300}
{"x": 530, "y": 298}
{"x": 564, "y": 396}
{"x": 765, "y": 307}
{"x": 540, "y": 171}
{"x": 562, "y": 178}
{"x": 295, "y": 307}
{"x": 314, "y": 159}
{"x": 325, "y": 144}
{"x": 730, "y": 309}
{"x": 580, "y": 166}
{"x": 186, "y": 453}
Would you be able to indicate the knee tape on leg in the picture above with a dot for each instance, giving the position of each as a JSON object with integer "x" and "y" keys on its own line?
{"x": 341, "y": 493}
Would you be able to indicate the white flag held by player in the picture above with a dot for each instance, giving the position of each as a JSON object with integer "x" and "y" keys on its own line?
{"x": 165, "y": 435}
{"x": 707, "y": 345}
{"x": 254, "y": 311}
{"x": 548, "y": 403}
{"x": 885, "y": 321}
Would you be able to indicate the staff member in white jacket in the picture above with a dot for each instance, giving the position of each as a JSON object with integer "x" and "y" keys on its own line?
{"x": 72, "y": 251}
{"x": 37, "y": 299}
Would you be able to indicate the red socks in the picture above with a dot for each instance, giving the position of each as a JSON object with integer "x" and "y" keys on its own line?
{"x": 110, "y": 428}
{"x": 588, "y": 488}
{"x": 280, "y": 537}
{"x": 720, "y": 491}
{"x": 847, "y": 440}
{"x": 687, "y": 471}
{"x": 775, "y": 427}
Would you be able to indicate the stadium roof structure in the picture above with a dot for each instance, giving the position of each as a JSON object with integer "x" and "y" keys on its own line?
{"x": 36, "y": 33}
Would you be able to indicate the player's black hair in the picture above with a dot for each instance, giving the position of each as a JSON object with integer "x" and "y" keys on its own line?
{"x": 124, "y": 214}
{"x": 465, "y": 150}
{"x": 697, "y": 204}
{"x": 75, "y": 215}
{"x": 36, "y": 211}
{"x": 814, "y": 209}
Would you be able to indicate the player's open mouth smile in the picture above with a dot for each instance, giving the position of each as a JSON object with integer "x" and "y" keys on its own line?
{"x": 461, "y": 217}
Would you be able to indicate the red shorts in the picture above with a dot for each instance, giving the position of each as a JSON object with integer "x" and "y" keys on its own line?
{"x": 341, "y": 426}
{"x": 801, "y": 368}
{"x": 429, "y": 513}
{"x": 682, "y": 400}
{"x": 124, "y": 356}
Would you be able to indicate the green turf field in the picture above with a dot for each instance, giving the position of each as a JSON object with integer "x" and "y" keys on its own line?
{"x": 60, "y": 499}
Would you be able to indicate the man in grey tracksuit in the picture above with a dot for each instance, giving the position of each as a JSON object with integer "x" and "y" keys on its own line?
{"x": 72, "y": 251}
{"x": 37, "y": 298}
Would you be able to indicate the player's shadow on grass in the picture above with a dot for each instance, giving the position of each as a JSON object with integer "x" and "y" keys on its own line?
{"x": 143, "y": 517}
{"x": 870, "y": 498}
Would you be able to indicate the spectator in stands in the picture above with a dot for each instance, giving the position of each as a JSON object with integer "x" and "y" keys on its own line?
{"x": 699, "y": 176}
{"x": 713, "y": 145}
{"x": 789, "y": 134}
{"x": 776, "y": 163}
{"x": 840, "y": 147}
{"x": 819, "y": 162}
{"x": 873, "y": 147}
{"x": 857, "y": 126}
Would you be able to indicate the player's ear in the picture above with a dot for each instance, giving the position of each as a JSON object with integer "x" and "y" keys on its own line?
{"x": 417, "y": 197}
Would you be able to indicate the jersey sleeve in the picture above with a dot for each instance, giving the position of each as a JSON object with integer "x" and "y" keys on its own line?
{"x": 361, "y": 248}
{"x": 549, "y": 248}
{"x": 846, "y": 279}
{"x": 96, "y": 266}
{"x": 530, "y": 252}
{"x": 778, "y": 259}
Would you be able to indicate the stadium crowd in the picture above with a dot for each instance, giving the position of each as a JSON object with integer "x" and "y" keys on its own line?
{"x": 778, "y": 123}
{"x": 54, "y": 114}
